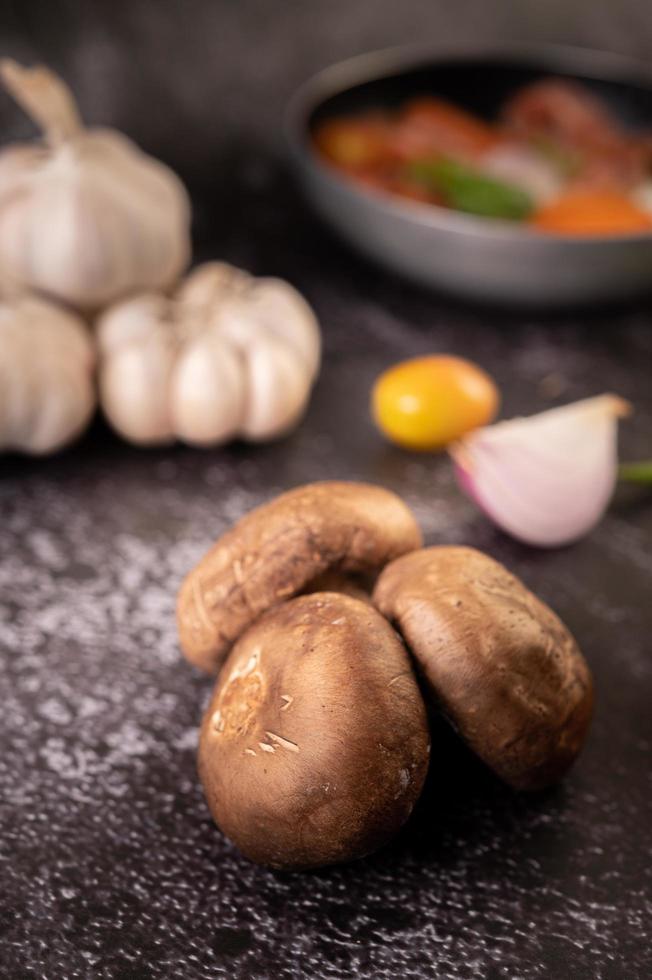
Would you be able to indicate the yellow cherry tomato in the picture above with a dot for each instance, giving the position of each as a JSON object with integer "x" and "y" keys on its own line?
{"x": 428, "y": 402}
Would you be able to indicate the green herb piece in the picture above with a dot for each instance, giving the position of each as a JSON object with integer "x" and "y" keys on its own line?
{"x": 636, "y": 472}
{"x": 466, "y": 189}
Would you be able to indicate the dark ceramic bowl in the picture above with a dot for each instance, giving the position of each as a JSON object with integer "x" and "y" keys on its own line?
{"x": 479, "y": 258}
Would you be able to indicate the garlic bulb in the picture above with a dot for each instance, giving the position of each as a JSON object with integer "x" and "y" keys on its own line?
{"x": 47, "y": 393}
{"x": 547, "y": 479}
{"x": 85, "y": 216}
{"x": 228, "y": 355}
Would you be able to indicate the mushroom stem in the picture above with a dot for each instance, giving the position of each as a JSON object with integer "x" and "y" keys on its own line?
{"x": 46, "y": 99}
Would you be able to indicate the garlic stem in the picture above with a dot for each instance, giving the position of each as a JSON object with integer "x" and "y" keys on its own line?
{"x": 636, "y": 472}
{"x": 45, "y": 98}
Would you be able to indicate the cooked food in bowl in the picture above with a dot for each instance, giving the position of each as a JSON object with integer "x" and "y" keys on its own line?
{"x": 555, "y": 157}
{"x": 530, "y": 166}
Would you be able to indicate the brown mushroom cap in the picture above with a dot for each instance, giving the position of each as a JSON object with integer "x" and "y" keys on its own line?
{"x": 356, "y": 586}
{"x": 496, "y": 660}
{"x": 277, "y": 550}
{"x": 315, "y": 746}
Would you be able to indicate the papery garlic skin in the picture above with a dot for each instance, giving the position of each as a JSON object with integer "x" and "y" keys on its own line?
{"x": 208, "y": 285}
{"x": 47, "y": 392}
{"x": 279, "y": 389}
{"x": 86, "y": 216}
{"x": 207, "y": 392}
{"x": 137, "y": 358}
{"x": 547, "y": 479}
{"x": 247, "y": 306}
{"x": 276, "y": 307}
{"x": 227, "y": 356}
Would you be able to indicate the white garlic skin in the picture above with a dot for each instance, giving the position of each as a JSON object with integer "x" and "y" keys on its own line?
{"x": 137, "y": 351}
{"x": 47, "y": 392}
{"x": 207, "y": 393}
{"x": 85, "y": 216}
{"x": 228, "y": 356}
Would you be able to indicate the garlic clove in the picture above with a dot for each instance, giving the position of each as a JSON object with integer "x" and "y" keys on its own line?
{"x": 276, "y": 334}
{"x": 133, "y": 321}
{"x": 207, "y": 392}
{"x": 228, "y": 295}
{"x": 278, "y": 387}
{"x": 19, "y": 381}
{"x": 46, "y": 376}
{"x": 209, "y": 284}
{"x": 547, "y": 479}
{"x": 280, "y": 309}
{"x": 57, "y": 421}
{"x": 233, "y": 320}
{"x": 138, "y": 349}
{"x": 134, "y": 393}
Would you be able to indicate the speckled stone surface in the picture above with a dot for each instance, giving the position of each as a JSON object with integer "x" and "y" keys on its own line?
{"x": 110, "y": 866}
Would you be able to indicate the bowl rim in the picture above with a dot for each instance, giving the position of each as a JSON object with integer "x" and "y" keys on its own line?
{"x": 375, "y": 65}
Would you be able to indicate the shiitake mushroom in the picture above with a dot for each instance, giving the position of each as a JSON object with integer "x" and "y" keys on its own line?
{"x": 279, "y": 549}
{"x": 315, "y": 745}
{"x": 495, "y": 659}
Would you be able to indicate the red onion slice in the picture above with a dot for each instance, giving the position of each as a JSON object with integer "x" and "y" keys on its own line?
{"x": 546, "y": 479}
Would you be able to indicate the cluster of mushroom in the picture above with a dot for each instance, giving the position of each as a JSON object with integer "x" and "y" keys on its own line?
{"x": 335, "y": 633}
{"x": 91, "y": 228}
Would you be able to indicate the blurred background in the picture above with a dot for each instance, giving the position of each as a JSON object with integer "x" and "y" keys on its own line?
{"x": 203, "y": 83}
{"x": 114, "y": 868}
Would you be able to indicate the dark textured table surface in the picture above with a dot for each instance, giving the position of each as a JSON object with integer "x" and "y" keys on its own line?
{"x": 110, "y": 866}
